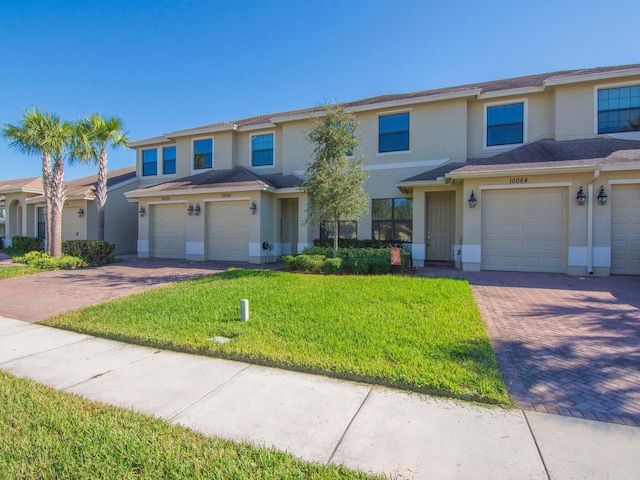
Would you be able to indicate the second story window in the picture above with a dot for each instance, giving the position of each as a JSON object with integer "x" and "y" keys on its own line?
{"x": 202, "y": 154}
{"x": 505, "y": 124}
{"x": 619, "y": 109}
{"x": 393, "y": 133}
{"x": 262, "y": 150}
{"x": 169, "y": 160}
{"x": 149, "y": 162}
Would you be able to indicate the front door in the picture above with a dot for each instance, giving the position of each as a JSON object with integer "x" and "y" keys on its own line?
{"x": 439, "y": 226}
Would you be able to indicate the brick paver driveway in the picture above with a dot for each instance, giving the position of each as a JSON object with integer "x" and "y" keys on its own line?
{"x": 566, "y": 345}
{"x": 41, "y": 295}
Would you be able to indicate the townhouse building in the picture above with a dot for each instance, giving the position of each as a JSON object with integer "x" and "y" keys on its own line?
{"x": 536, "y": 173}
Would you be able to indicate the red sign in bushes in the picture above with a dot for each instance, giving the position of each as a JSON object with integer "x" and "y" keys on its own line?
{"x": 396, "y": 257}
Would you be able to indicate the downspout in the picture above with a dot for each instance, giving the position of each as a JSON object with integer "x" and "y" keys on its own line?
{"x": 590, "y": 197}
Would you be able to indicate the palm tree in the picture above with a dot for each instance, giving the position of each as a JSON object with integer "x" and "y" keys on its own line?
{"x": 94, "y": 134}
{"x": 41, "y": 133}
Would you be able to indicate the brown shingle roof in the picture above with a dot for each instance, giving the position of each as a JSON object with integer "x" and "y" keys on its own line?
{"x": 31, "y": 184}
{"x": 485, "y": 87}
{"x": 86, "y": 185}
{"x": 234, "y": 177}
{"x": 547, "y": 152}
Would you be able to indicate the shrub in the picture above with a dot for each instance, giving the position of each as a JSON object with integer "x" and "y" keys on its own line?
{"x": 356, "y": 243}
{"x": 94, "y": 252}
{"x": 44, "y": 261}
{"x": 332, "y": 265}
{"x": 21, "y": 245}
{"x": 1, "y": 243}
{"x": 359, "y": 265}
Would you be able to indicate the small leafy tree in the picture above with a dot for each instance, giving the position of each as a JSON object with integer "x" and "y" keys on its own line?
{"x": 335, "y": 183}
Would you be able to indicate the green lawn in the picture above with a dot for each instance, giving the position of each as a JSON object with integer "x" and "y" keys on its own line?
{"x": 420, "y": 334}
{"x": 8, "y": 272}
{"x": 50, "y": 434}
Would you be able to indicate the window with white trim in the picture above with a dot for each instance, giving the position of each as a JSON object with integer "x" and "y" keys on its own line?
{"x": 149, "y": 162}
{"x": 619, "y": 109}
{"x": 168, "y": 160}
{"x": 262, "y": 150}
{"x": 505, "y": 124}
{"x": 203, "y": 154}
{"x": 393, "y": 132}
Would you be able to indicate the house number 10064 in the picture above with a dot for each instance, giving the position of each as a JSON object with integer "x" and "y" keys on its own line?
{"x": 518, "y": 180}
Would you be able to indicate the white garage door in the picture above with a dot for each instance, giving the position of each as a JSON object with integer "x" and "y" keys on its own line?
{"x": 524, "y": 230}
{"x": 625, "y": 229}
{"x": 168, "y": 230}
{"x": 228, "y": 231}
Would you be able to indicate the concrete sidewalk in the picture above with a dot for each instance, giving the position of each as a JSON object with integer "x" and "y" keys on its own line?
{"x": 321, "y": 419}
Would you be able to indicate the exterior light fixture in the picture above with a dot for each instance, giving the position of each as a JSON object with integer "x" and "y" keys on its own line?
{"x": 253, "y": 207}
{"x": 196, "y": 209}
{"x": 142, "y": 211}
{"x": 581, "y": 197}
{"x": 472, "y": 200}
{"x": 81, "y": 212}
{"x": 190, "y": 209}
{"x": 602, "y": 196}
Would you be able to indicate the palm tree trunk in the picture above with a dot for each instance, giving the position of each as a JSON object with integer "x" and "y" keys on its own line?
{"x": 46, "y": 188}
{"x": 101, "y": 191}
{"x": 336, "y": 225}
{"x": 58, "y": 195}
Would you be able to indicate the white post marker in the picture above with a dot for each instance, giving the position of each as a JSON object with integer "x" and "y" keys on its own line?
{"x": 244, "y": 310}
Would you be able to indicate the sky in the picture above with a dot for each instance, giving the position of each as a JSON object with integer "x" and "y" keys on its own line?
{"x": 163, "y": 66}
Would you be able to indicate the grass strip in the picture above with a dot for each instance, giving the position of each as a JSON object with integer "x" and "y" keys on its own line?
{"x": 50, "y": 435}
{"x": 8, "y": 272}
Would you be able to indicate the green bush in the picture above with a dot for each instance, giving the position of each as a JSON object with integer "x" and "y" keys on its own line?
{"x": 332, "y": 265}
{"x": 44, "y": 261}
{"x": 20, "y": 245}
{"x": 1, "y": 243}
{"x": 356, "y": 243}
{"x": 94, "y": 252}
{"x": 346, "y": 253}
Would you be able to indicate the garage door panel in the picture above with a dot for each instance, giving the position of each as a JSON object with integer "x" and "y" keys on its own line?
{"x": 168, "y": 231}
{"x": 228, "y": 231}
{"x": 625, "y": 229}
{"x": 524, "y": 230}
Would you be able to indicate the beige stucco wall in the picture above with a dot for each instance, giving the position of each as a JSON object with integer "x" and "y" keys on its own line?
{"x": 539, "y": 122}
{"x": 577, "y": 216}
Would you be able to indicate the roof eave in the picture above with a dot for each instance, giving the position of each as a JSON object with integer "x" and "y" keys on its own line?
{"x": 197, "y": 191}
{"x": 528, "y": 170}
{"x": 590, "y": 77}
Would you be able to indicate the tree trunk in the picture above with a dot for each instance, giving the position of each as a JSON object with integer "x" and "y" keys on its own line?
{"x": 58, "y": 194}
{"x": 101, "y": 191}
{"x": 46, "y": 188}
{"x": 336, "y": 225}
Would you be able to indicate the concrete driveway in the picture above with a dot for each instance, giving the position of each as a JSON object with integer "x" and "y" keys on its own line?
{"x": 38, "y": 296}
{"x": 566, "y": 345}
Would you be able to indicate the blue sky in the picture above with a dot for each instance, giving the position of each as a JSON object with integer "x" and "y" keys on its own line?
{"x": 169, "y": 65}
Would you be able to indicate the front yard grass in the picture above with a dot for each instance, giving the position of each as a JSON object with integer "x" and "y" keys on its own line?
{"x": 50, "y": 434}
{"x": 420, "y": 334}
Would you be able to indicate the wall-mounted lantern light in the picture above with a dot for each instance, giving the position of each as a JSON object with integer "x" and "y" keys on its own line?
{"x": 253, "y": 207}
{"x": 472, "y": 200}
{"x": 190, "y": 209}
{"x": 602, "y": 196}
{"x": 581, "y": 197}
{"x": 142, "y": 211}
{"x": 196, "y": 209}
{"x": 81, "y": 212}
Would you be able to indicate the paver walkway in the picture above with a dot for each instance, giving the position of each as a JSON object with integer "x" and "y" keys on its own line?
{"x": 63, "y": 290}
{"x": 565, "y": 345}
